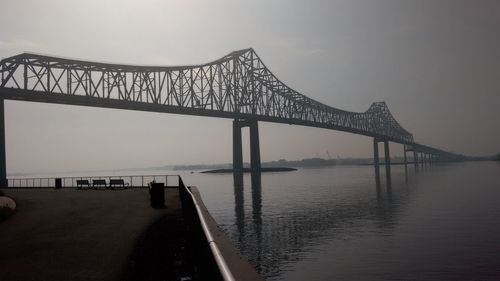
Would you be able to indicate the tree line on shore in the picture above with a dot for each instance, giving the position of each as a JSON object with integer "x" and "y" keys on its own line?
{"x": 283, "y": 163}
{"x": 317, "y": 162}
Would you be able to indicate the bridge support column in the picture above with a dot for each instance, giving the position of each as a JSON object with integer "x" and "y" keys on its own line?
{"x": 376, "y": 161}
{"x": 254, "y": 145}
{"x": 404, "y": 155}
{"x": 387, "y": 162}
{"x": 237, "y": 147}
{"x": 3, "y": 162}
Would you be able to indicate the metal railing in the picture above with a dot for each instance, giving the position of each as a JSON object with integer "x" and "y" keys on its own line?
{"x": 136, "y": 181}
{"x": 192, "y": 211}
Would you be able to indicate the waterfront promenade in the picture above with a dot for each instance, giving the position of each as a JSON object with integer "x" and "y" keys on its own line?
{"x": 70, "y": 234}
{"x": 76, "y": 235}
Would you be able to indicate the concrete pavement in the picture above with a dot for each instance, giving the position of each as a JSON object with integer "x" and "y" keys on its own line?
{"x": 69, "y": 234}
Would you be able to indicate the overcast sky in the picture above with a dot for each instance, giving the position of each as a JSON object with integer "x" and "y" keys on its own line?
{"x": 435, "y": 63}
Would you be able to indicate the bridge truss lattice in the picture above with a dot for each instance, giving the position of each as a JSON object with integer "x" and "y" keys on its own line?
{"x": 237, "y": 86}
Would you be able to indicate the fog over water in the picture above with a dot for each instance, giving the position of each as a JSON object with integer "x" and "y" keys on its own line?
{"x": 435, "y": 63}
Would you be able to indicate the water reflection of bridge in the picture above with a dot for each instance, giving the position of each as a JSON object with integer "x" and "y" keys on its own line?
{"x": 270, "y": 243}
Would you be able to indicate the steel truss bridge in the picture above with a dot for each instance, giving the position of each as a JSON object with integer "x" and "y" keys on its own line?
{"x": 237, "y": 86}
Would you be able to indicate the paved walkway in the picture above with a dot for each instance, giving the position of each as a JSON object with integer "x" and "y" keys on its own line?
{"x": 76, "y": 235}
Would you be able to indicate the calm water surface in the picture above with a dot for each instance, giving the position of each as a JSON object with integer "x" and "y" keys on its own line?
{"x": 437, "y": 223}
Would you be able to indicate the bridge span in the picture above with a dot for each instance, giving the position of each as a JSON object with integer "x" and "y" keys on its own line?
{"x": 237, "y": 86}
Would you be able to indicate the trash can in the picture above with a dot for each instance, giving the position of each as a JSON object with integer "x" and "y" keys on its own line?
{"x": 157, "y": 194}
{"x": 58, "y": 183}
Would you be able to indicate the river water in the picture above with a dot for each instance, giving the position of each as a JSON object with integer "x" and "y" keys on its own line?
{"x": 441, "y": 222}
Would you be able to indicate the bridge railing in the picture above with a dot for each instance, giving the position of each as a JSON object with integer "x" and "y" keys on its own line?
{"x": 135, "y": 181}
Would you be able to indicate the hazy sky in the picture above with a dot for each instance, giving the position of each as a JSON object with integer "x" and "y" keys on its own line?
{"x": 435, "y": 63}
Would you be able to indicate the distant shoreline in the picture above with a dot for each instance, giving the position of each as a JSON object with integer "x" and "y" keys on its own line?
{"x": 248, "y": 170}
{"x": 304, "y": 163}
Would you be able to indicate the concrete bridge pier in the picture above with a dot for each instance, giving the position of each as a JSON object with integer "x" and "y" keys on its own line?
{"x": 376, "y": 161}
{"x": 237, "y": 148}
{"x": 404, "y": 155}
{"x": 3, "y": 162}
{"x": 387, "y": 159}
{"x": 254, "y": 145}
